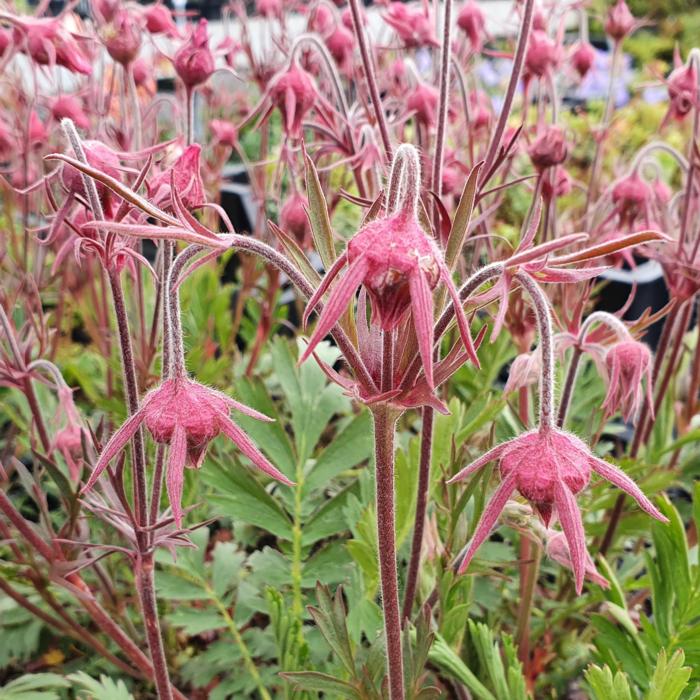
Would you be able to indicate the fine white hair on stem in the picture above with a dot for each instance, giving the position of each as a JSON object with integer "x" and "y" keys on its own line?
{"x": 404, "y": 180}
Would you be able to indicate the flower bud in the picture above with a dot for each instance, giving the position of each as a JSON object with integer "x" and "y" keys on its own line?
{"x": 70, "y": 107}
{"x": 682, "y": 91}
{"x": 631, "y": 196}
{"x": 194, "y": 61}
{"x": 619, "y": 22}
{"x": 294, "y": 93}
{"x": 295, "y": 221}
{"x": 542, "y": 56}
{"x": 549, "y": 149}
{"x": 224, "y": 131}
{"x": 472, "y": 22}
{"x": 122, "y": 38}
{"x": 583, "y": 58}
{"x": 424, "y": 102}
{"x": 159, "y": 20}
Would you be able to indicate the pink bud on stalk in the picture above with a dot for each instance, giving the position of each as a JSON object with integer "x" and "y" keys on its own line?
{"x": 294, "y": 93}
{"x": 194, "y": 61}
{"x": 620, "y": 22}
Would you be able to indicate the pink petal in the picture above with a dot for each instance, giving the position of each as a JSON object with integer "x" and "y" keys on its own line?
{"x": 246, "y": 446}
{"x": 337, "y": 302}
{"x": 616, "y": 476}
{"x": 290, "y": 107}
{"x": 323, "y": 287}
{"x": 493, "y": 453}
{"x": 489, "y": 517}
{"x": 175, "y": 475}
{"x": 462, "y": 322}
{"x": 422, "y": 309}
{"x": 570, "y": 518}
{"x": 114, "y": 446}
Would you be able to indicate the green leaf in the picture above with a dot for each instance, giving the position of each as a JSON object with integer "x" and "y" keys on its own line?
{"x": 321, "y": 229}
{"x": 605, "y": 686}
{"x": 105, "y": 688}
{"x": 330, "y": 618}
{"x": 35, "y": 686}
{"x": 670, "y": 677}
{"x": 321, "y": 683}
{"x": 227, "y": 564}
{"x": 463, "y": 215}
{"x": 196, "y": 621}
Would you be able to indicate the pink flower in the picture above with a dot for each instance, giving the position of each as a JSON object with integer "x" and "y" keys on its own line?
{"x": 70, "y": 107}
{"x": 294, "y": 93}
{"x": 122, "y": 37}
{"x": 542, "y": 56}
{"x": 582, "y": 58}
{"x": 187, "y": 416}
{"x": 99, "y": 156}
{"x": 321, "y": 19}
{"x": 413, "y": 25}
{"x": 399, "y": 266}
{"x": 682, "y": 91}
{"x": 68, "y": 441}
{"x": 550, "y": 148}
{"x": 423, "y": 101}
{"x": 620, "y": 22}
{"x": 548, "y": 467}
{"x": 557, "y": 183}
{"x": 631, "y": 196}
{"x": 628, "y": 363}
{"x": 341, "y": 45}
{"x": 186, "y": 178}
{"x": 224, "y": 132}
{"x": 269, "y": 9}
{"x": 143, "y": 75}
{"x": 472, "y": 22}
{"x": 159, "y": 20}
{"x": 37, "y": 130}
{"x": 295, "y": 221}
{"x": 5, "y": 40}
{"x": 48, "y": 43}
{"x": 557, "y": 549}
{"x": 194, "y": 61}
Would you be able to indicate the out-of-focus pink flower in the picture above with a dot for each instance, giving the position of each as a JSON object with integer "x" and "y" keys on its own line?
{"x": 346, "y": 18}
{"x": 70, "y": 107}
{"x": 122, "y": 37}
{"x": 550, "y": 148}
{"x": 620, "y": 22}
{"x": 557, "y": 549}
{"x": 341, "y": 45}
{"x": 185, "y": 177}
{"x": 99, "y": 156}
{"x": 628, "y": 363}
{"x": 295, "y": 221}
{"x": 423, "y": 102}
{"x": 270, "y": 9}
{"x": 524, "y": 371}
{"x": 159, "y": 20}
{"x": 631, "y": 196}
{"x": 682, "y": 91}
{"x": 105, "y": 9}
{"x": 224, "y": 132}
{"x": 321, "y": 19}
{"x": 472, "y": 22}
{"x": 5, "y": 40}
{"x": 413, "y": 25}
{"x": 294, "y": 93}
{"x": 548, "y": 467}
{"x": 68, "y": 440}
{"x": 143, "y": 75}
{"x": 36, "y": 133}
{"x": 582, "y": 58}
{"x": 194, "y": 61}
{"x": 48, "y": 43}
{"x": 187, "y": 416}
{"x": 542, "y": 56}
{"x": 662, "y": 191}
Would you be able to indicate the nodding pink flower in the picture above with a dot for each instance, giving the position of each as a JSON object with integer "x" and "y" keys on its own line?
{"x": 583, "y": 58}
{"x": 662, "y": 191}
{"x": 159, "y": 20}
{"x": 423, "y": 102}
{"x": 539, "y": 21}
{"x": 548, "y": 467}
{"x": 48, "y": 43}
{"x": 472, "y": 22}
{"x": 185, "y": 176}
{"x": 399, "y": 266}
{"x": 194, "y": 61}
{"x": 68, "y": 441}
{"x": 557, "y": 183}
{"x": 270, "y": 9}
{"x": 628, "y": 363}
{"x": 100, "y": 157}
{"x": 682, "y": 91}
{"x": 413, "y": 25}
{"x": 122, "y": 37}
{"x": 550, "y": 148}
{"x": 295, "y": 221}
{"x": 341, "y": 45}
{"x": 525, "y": 371}
{"x": 346, "y": 18}
{"x": 294, "y": 93}
{"x": 187, "y": 416}
{"x": 557, "y": 549}
{"x": 542, "y": 56}
{"x": 620, "y": 22}
{"x": 36, "y": 133}
{"x": 5, "y": 40}
{"x": 631, "y": 196}
{"x": 143, "y": 75}
{"x": 70, "y": 107}
{"x": 321, "y": 19}
{"x": 225, "y": 132}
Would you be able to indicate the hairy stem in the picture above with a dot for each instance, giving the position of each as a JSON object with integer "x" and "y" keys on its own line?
{"x": 384, "y": 425}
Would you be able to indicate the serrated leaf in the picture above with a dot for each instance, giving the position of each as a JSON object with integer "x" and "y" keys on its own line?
{"x": 670, "y": 677}
{"x": 321, "y": 683}
{"x": 104, "y": 688}
{"x": 605, "y": 686}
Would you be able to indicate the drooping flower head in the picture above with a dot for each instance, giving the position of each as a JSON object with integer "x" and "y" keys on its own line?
{"x": 294, "y": 219}
{"x": 185, "y": 176}
{"x": 294, "y": 93}
{"x": 557, "y": 549}
{"x": 550, "y": 148}
{"x": 99, "y": 156}
{"x": 194, "y": 61}
{"x": 48, "y": 43}
{"x": 122, "y": 37}
{"x": 628, "y": 363}
{"x": 631, "y": 196}
{"x": 682, "y": 87}
{"x": 583, "y": 58}
{"x": 70, "y": 107}
{"x": 413, "y": 25}
{"x": 547, "y": 465}
{"x": 224, "y": 132}
{"x": 159, "y": 20}
{"x": 542, "y": 56}
{"x": 341, "y": 45}
{"x": 397, "y": 264}
{"x": 472, "y": 22}
{"x": 423, "y": 102}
